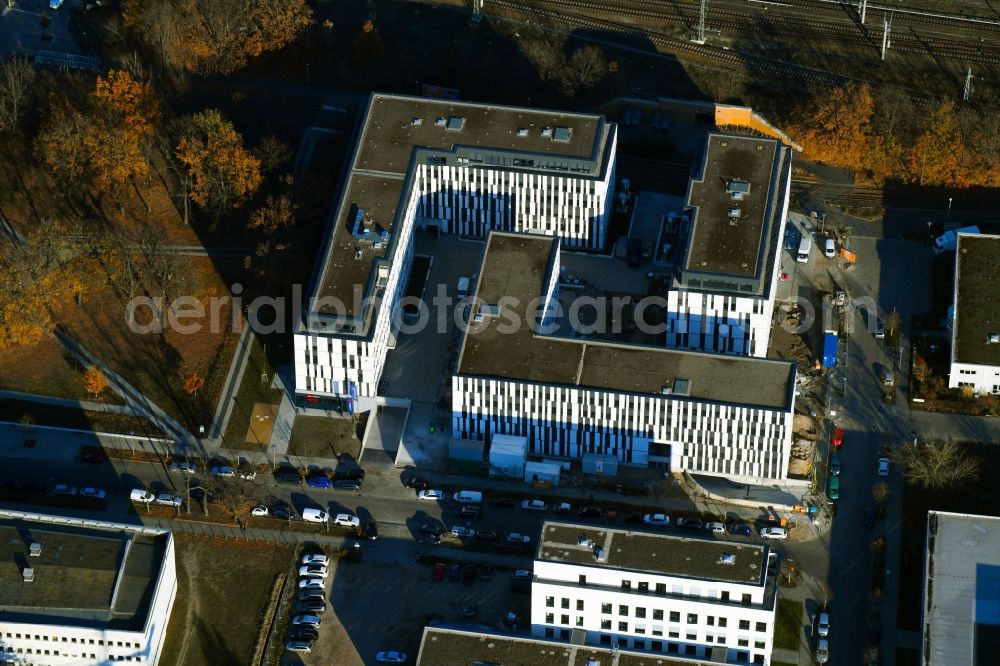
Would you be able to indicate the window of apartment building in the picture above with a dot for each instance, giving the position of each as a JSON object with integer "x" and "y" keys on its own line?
{"x": 657, "y": 614}
{"x": 564, "y": 619}
{"x": 626, "y": 585}
{"x": 725, "y": 595}
{"x": 691, "y": 635}
{"x": 606, "y": 624}
{"x": 623, "y": 642}
{"x": 743, "y": 657}
{"x": 747, "y": 599}
{"x": 657, "y": 629}
{"x": 579, "y": 604}
{"x": 690, "y": 650}
{"x": 549, "y": 632}
{"x": 640, "y": 612}
{"x": 759, "y": 645}
{"x": 550, "y": 602}
{"x": 672, "y": 648}
{"x": 761, "y": 627}
{"x": 623, "y": 626}
{"x": 640, "y": 644}
{"x": 640, "y": 628}
{"x": 673, "y": 633}
{"x": 623, "y": 610}
{"x": 657, "y": 646}
{"x": 605, "y": 640}
{"x": 710, "y": 619}
{"x": 582, "y": 580}
{"x": 709, "y": 638}
{"x": 606, "y": 609}
{"x": 579, "y": 620}
{"x": 549, "y": 618}
{"x": 564, "y": 602}
{"x": 675, "y": 616}
{"x": 744, "y": 624}
{"x": 661, "y": 588}
{"x": 743, "y": 642}
{"x": 721, "y": 638}
{"x": 692, "y": 618}
{"x": 723, "y": 621}
{"x": 644, "y": 586}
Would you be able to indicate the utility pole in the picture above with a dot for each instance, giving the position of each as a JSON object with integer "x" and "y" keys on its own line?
{"x": 477, "y": 10}
{"x": 699, "y": 31}
{"x": 886, "y": 27}
{"x": 967, "y": 95}
{"x": 863, "y": 5}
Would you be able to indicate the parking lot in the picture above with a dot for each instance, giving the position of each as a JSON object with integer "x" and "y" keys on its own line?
{"x": 22, "y": 31}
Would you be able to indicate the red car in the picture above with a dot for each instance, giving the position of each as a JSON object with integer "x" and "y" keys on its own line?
{"x": 438, "y": 574}
{"x": 92, "y": 455}
{"x": 838, "y": 436}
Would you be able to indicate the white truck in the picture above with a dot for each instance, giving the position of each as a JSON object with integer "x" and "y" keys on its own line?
{"x": 948, "y": 241}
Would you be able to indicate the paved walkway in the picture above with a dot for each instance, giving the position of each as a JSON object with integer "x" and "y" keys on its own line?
{"x": 69, "y": 402}
{"x": 281, "y": 434}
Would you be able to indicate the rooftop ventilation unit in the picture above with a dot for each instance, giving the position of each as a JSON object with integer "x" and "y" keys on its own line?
{"x": 29, "y": 575}
{"x": 485, "y": 311}
{"x": 582, "y": 540}
{"x": 737, "y": 189}
{"x": 439, "y": 122}
{"x": 993, "y": 338}
{"x": 35, "y": 549}
{"x": 599, "y": 554}
{"x": 522, "y": 132}
{"x": 547, "y": 132}
{"x": 455, "y": 124}
{"x": 562, "y": 134}
{"x": 734, "y": 212}
{"x": 416, "y": 122}
{"x": 727, "y": 558}
{"x": 682, "y": 387}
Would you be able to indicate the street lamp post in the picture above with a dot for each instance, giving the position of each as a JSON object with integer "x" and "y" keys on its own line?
{"x": 949, "y": 208}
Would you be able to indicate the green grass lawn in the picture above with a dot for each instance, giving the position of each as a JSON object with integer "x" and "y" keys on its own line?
{"x": 788, "y": 625}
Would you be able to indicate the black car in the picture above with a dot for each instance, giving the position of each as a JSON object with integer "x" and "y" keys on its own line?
{"x": 432, "y": 528}
{"x": 312, "y": 607}
{"x": 305, "y": 634}
{"x": 869, "y": 517}
{"x": 288, "y": 476}
{"x": 355, "y": 474}
{"x": 590, "y": 512}
{"x": 469, "y": 511}
{"x": 691, "y": 523}
{"x": 371, "y": 530}
{"x": 486, "y": 535}
{"x": 429, "y": 539}
{"x": 504, "y": 503}
{"x": 347, "y": 484}
{"x": 469, "y": 574}
{"x": 416, "y": 482}
{"x": 634, "y": 518}
{"x": 485, "y": 571}
{"x": 283, "y": 512}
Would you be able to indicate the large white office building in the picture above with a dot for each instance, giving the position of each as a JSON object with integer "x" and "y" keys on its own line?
{"x": 572, "y": 397}
{"x": 647, "y": 591}
{"x": 975, "y": 318}
{"x": 83, "y": 593}
{"x": 729, "y": 247}
{"x": 459, "y": 167}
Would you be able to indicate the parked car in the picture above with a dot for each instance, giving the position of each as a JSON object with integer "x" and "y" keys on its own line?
{"x": 140, "y": 495}
{"x": 312, "y": 607}
{"x": 299, "y": 646}
{"x": 822, "y": 651}
{"x": 166, "y": 499}
{"x": 312, "y": 584}
{"x": 283, "y": 512}
{"x": 454, "y": 573}
{"x": 223, "y": 471}
{"x": 837, "y": 439}
{"x": 92, "y": 455}
{"x": 312, "y": 593}
{"x": 503, "y": 503}
{"x": 259, "y": 512}
{"x": 869, "y": 517}
{"x": 469, "y": 511}
{"x": 432, "y": 528}
{"x": 315, "y": 558}
{"x": 562, "y": 507}
{"x": 183, "y": 468}
{"x": 319, "y": 481}
{"x": 823, "y": 624}
{"x": 305, "y": 634}
{"x": 391, "y": 657}
{"x": 429, "y": 539}
{"x": 486, "y": 535}
{"x": 248, "y": 474}
{"x": 879, "y": 329}
{"x": 888, "y": 378}
{"x": 288, "y": 477}
{"x": 431, "y": 494}
{"x": 773, "y": 533}
{"x": 313, "y": 571}
{"x": 462, "y": 532}
{"x": 315, "y": 516}
{"x": 883, "y": 467}
{"x": 347, "y": 484}
{"x": 93, "y": 493}
{"x": 437, "y": 575}
{"x": 533, "y": 505}
{"x": 371, "y": 530}
{"x": 656, "y": 519}
{"x": 835, "y": 464}
{"x": 715, "y": 528}
{"x": 346, "y": 520}
{"x": 517, "y": 538}
{"x": 64, "y": 489}
{"x": 590, "y": 512}
{"x": 352, "y": 474}
{"x": 308, "y": 620}
{"x": 833, "y": 487}
{"x": 690, "y": 523}
{"x": 485, "y": 571}
{"x": 469, "y": 574}
{"x": 416, "y": 482}
{"x": 634, "y": 519}
{"x": 469, "y": 611}
{"x": 740, "y": 529}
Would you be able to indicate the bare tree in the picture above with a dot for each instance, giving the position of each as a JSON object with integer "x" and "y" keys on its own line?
{"x": 937, "y": 465}
{"x": 893, "y": 324}
{"x": 16, "y": 78}
{"x": 881, "y": 492}
{"x": 585, "y": 68}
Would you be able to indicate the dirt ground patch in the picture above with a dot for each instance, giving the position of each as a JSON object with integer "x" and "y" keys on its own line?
{"x": 44, "y": 370}
{"x": 222, "y": 591}
{"x": 323, "y": 437}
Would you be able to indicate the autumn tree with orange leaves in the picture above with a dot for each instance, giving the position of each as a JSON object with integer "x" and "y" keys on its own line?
{"x": 193, "y": 383}
{"x": 215, "y": 36}
{"x": 939, "y": 155}
{"x": 220, "y": 173}
{"x": 94, "y": 381}
{"x": 839, "y": 130}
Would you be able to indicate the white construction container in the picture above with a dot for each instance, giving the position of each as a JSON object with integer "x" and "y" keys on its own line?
{"x": 508, "y": 455}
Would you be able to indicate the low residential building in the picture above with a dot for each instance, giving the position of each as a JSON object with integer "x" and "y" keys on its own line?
{"x": 975, "y": 318}
{"x": 572, "y": 397}
{"x": 457, "y": 167}
{"x": 729, "y": 255}
{"x": 961, "y": 612}
{"x": 642, "y": 590}
{"x": 81, "y": 592}
{"x": 467, "y": 646}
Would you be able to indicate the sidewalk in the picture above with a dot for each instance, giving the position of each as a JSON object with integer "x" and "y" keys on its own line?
{"x": 68, "y": 402}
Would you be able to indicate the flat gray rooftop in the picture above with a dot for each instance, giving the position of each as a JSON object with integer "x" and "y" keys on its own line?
{"x": 720, "y": 242}
{"x": 514, "y": 266}
{"x": 654, "y": 552}
{"x": 76, "y": 575}
{"x": 454, "y": 646}
{"x": 394, "y": 126}
{"x": 962, "y": 590}
{"x": 977, "y": 314}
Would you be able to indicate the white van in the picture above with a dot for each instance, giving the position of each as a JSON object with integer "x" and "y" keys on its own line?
{"x": 829, "y": 248}
{"x": 140, "y": 495}
{"x": 315, "y": 516}
{"x": 463, "y": 288}
{"x": 468, "y": 497}
{"x": 805, "y": 247}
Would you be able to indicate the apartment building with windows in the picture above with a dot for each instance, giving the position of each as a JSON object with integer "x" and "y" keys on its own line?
{"x": 726, "y": 274}
{"x": 648, "y": 591}
{"x": 456, "y": 167}
{"x": 82, "y": 592}
{"x": 646, "y": 405}
{"x": 975, "y": 318}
